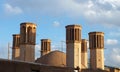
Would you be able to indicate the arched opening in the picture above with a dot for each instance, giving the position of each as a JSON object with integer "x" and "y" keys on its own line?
{"x": 29, "y": 34}
{"x": 23, "y": 34}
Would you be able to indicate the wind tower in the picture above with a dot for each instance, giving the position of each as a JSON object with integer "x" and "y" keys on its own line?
{"x": 16, "y": 47}
{"x": 27, "y": 41}
{"x": 84, "y": 56}
{"x": 73, "y": 45}
{"x": 96, "y": 45}
{"x": 45, "y": 46}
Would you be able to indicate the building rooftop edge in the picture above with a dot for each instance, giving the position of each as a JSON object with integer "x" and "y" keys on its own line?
{"x": 73, "y": 25}
{"x": 45, "y": 39}
{"x": 28, "y": 23}
{"x": 95, "y": 32}
{"x": 111, "y": 67}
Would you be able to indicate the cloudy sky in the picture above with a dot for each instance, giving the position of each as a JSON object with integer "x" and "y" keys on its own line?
{"x": 51, "y": 17}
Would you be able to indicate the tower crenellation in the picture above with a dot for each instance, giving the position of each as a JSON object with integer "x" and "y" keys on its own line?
{"x": 28, "y": 33}
{"x": 45, "y": 46}
{"x": 83, "y": 45}
{"x": 73, "y": 33}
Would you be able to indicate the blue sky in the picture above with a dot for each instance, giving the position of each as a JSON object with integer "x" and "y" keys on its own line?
{"x": 51, "y": 17}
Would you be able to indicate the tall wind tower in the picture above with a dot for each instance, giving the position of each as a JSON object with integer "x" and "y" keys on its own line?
{"x": 45, "y": 46}
{"x": 73, "y": 43}
{"x": 16, "y": 47}
{"x": 27, "y": 41}
{"x": 84, "y": 56}
{"x": 96, "y": 45}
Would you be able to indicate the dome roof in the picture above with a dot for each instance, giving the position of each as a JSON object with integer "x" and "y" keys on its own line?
{"x": 54, "y": 58}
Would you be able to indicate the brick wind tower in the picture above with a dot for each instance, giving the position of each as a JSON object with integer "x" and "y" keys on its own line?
{"x": 84, "y": 54}
{"x": 96, "y": 45}
{"x": 45, "y": 46}
{"x": 16, "y": 47}
{"x": 27, "y": 41}
{"x": 73, "y": 46}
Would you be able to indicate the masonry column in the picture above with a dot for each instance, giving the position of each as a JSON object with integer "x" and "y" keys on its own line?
{"x": 27, "y": 41}
{"x": 84, "y": 56}
{"x": 16, "y": 47}
{"x": 96, "y": 45}
{"x": 73, "y": 45}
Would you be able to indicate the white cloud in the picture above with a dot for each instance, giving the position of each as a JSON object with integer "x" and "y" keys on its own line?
{"x": 116, "y": 54}
{"x": 37, "y": 51}
{"x": 93, "y": 11}
{"x": 88, "y": 44}
{"x": 55, "y": 47}
{"x": 111, "y": 41}
{"x": 10, "y": 9}
{"x": 114, "y": 58}
{"x": 115, "y": 34}
{"x": 56, "y": 24}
